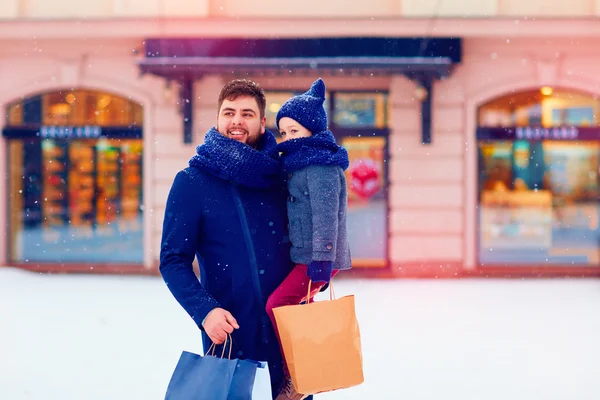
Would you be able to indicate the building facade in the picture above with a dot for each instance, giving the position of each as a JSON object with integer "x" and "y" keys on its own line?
{"x": 473, "y": 133}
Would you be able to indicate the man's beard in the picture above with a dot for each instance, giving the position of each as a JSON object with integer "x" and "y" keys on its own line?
{"x": 252, "y": 140}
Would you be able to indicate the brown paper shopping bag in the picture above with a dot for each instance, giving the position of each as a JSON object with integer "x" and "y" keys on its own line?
{"x": 321, "y": 343}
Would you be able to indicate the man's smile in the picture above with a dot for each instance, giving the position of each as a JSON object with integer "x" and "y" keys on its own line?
{"x": 237, "y": 132}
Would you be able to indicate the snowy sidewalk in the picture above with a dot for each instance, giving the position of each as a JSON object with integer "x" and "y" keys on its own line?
{"x": 119, "y": 337}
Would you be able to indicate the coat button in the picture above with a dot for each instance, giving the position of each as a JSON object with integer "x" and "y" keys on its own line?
{"x": 305, "y": 193}
{"x": 329, "y": 246}
{"x": 262, "y": 272}
{"x": 292, "y": 199}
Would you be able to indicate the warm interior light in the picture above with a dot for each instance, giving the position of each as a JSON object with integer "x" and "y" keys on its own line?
{"x": 60, "y": 109}
{"x": 274, "y": 107}
{"x": 103, "y": 102}
{"x": 546, "y": 90}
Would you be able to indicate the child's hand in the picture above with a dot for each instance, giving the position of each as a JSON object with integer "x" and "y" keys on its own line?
{"x": 320, "y": 271}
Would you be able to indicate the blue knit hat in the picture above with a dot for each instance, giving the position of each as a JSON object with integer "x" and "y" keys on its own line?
{"x": 307, "y": 108}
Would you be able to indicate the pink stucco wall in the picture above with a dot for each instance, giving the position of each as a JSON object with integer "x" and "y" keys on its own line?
{"x": 426, "y": 181}
{"x": 432, "y": 187}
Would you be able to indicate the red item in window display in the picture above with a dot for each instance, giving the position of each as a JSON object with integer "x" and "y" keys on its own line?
{"x": 364, "y": 178}
{"x": 54, "y": 180}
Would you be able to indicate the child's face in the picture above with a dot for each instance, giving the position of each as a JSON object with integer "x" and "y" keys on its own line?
{"x": 290, "y": 129}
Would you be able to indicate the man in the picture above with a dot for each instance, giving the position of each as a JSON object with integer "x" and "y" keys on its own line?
{"x": 228, "y": 208}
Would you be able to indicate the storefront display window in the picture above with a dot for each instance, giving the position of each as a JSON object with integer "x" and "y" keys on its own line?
{"x": 360, "y": 110}
{"x": 75, "y": 108}
{"x": 539, "y": 183}
{"x": 367, "y": 201}
{"x": 351, "y": 110}
{"x": 546, "y": 107}
{"x": 75, "y": 191}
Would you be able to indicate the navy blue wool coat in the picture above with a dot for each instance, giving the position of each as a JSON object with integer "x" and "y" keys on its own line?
{"x": 239, "y": 234}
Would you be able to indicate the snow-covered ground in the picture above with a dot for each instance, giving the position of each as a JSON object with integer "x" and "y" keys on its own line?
{"x": 93, "y": 337}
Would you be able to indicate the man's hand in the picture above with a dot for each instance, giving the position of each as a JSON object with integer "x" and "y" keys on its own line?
{"x": 218, "y": 324}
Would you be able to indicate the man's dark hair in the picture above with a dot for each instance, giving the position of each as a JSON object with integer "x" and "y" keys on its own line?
{"x": 243, "y": 87}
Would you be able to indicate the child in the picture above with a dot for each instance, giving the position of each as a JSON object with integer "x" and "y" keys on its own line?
{"x": 317, "y": 203}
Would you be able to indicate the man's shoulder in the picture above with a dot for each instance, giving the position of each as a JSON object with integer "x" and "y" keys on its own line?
{"x": 197, "y": 180}
{"x": 191, "y": 174}
{"x": 189, "y": 180}
{"x": 192, "y": 171}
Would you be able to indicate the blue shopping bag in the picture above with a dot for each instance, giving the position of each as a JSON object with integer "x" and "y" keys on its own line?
{"x": 262, "y": 382}
{"x": 216, "y": 378}
{"x": 259, "y": 381}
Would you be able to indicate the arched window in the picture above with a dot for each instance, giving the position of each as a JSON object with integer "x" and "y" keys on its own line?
{"x": 539, "y": 179}
{"x": 75, "y": 108}
{"x": 75, "y": 178}
{"x": 546, "y": 107}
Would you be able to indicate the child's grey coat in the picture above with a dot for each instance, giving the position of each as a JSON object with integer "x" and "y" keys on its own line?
{"x": 317, "y": 207}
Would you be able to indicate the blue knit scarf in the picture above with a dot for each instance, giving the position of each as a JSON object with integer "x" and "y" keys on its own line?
{"x": 318, "y": 149}
{"x": 234, "y": 161}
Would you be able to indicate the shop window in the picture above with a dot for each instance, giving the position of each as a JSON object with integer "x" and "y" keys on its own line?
{"x": 360, "y": 110}
{"x": 367, "y": 200}
{"x": 75, "y": 179}
{"x": 352, "y": 109}
{"x": 539, "y": 179}
{"x": 545, "y": 107}
{"x": 75, "y": 108}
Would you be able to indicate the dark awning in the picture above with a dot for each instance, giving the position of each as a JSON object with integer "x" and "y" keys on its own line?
{"x": 190, "y": 58}
{"x": 184, "y": 60}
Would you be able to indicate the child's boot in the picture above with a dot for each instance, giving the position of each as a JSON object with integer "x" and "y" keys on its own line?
{"x": 288, "y": 392}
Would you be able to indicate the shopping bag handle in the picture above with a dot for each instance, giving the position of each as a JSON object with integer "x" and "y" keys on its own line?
{"x": 211, "y": 349}
{"x": 331, "y": 291}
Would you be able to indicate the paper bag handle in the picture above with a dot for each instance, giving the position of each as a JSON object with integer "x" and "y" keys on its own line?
{"x": 211, "y": 349}
{"x": 331, "y": 291}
